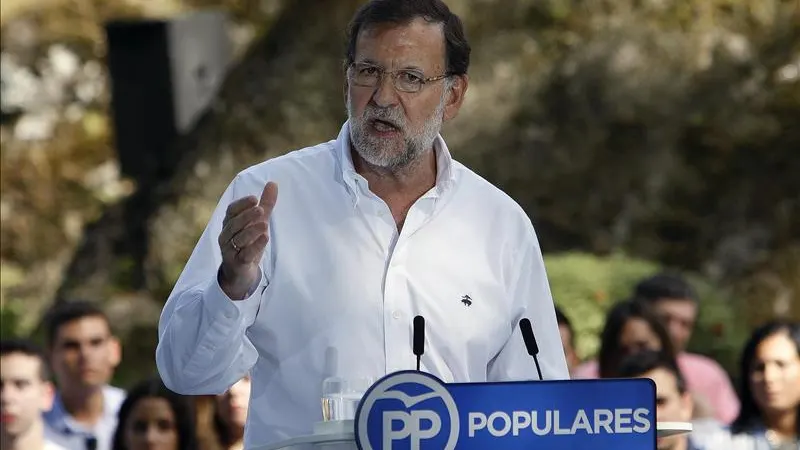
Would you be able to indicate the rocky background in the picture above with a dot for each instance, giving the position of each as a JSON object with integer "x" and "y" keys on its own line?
{"x": 637, "y": 134}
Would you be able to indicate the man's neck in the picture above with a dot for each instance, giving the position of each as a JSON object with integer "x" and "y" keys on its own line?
{"x": 409, "y": 179}
{"x": 85, "y": 407}
{"x": 399, "y": 188}
{"x": 33, "y": 439}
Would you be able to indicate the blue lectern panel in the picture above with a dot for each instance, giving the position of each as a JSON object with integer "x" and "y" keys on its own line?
{"x": 416, "y": 411}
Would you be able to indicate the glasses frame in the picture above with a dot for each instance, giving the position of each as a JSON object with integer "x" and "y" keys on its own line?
{"x": 394, "y": 74}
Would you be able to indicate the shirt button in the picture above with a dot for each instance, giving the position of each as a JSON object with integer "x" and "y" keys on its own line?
{"x": 397, "y": 314}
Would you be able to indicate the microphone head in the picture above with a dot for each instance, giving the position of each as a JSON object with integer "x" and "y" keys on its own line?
{"x": 419, "y": 335}
{"x": 527, "y": 335}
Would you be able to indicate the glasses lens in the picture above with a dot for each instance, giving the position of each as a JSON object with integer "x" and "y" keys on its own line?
{"x": 408, "y": 81}
{"x": 365, "y": 75}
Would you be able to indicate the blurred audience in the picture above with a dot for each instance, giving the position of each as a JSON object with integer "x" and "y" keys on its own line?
{"x": 567, "y": 340}
{"x": 673, "y": 401}
{"x": 643, "y": 337}
{"x": 232, "y": 408}
{"x": 221, "y": 418}
{"x": 84, "y": 354}
{"x": 770, "y": 390}
{"x": 25, "y": 393}
{"x": 631, "y": 326}
{"x": 676, "y": 303}
{"x": 154, "y": 418}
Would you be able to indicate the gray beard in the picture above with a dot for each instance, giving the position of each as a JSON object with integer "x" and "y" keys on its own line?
{"x": 380, "y": 152}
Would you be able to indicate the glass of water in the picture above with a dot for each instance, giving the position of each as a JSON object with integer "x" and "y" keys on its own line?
{"x": 340, "y": 397}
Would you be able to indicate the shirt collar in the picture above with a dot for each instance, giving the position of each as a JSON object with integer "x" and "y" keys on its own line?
{"x": 61, "y": 420}
{"x": 445, "y": 175}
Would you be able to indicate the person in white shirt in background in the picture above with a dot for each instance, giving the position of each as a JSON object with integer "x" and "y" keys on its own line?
{"x": 83, "y": 353}
{"x": 371, "y": 229}
{"x": 25, "y": 393}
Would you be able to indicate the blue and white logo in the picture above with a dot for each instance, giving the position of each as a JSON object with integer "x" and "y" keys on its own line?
{"x": 417, "y": 411}
{"x": 407, "y": 410}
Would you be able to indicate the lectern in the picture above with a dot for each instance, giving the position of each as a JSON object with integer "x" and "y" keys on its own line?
{"x": 417, "y": 411}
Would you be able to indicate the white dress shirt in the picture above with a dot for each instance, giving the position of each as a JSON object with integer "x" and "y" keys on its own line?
{"x": 340, "y": 288}
{"x": 69, "y": 433}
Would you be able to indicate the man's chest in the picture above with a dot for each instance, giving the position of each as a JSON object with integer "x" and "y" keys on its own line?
{"x": 362, "y": 282}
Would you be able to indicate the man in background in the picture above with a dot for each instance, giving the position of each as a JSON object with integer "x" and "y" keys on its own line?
{"x": 25, "y": 393}
{"x": 673, "y": 401}
{"x": 676, "y": 303}
{"x": 567, "y": 339}
{"x": 84, "y": 354}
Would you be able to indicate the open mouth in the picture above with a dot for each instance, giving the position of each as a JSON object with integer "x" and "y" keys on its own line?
{"x": 384, "y": 126}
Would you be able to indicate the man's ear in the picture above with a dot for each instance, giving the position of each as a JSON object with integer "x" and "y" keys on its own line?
{"x": 687, "y": 406}
{"x": 48, "y": 396}
{"x": 456, "y": 91}
{"x": 115, "y": 351}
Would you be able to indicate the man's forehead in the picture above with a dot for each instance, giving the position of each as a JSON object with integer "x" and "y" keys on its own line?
{"x": 89, "y": 327}
{"x": 417, "y": 41}
{"x": 19, "y": 366}
{"x": 663, "y": 378}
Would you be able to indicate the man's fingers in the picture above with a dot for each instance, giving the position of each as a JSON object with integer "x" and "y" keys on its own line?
{"x": 240, "y": 222}
{"x": 269, "y": 196}
{"x": 246, "y": 237}
{"x": 252, "y": 253}
{"x": 235, "y": 208}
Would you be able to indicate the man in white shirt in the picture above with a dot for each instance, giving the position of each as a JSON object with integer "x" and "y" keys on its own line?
{"x": 25, "y": 393}
{"x": 84, "y": 354}
{"x": 371, "y": 229}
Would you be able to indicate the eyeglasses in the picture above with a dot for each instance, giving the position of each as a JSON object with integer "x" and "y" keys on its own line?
{"x": 404, "y": 80}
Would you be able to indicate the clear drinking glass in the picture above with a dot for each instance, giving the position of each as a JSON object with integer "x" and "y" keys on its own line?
{"x": 340, "y": 397}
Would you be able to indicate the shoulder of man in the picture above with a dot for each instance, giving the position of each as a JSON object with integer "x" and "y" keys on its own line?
{"x": 114, "y": 396}
{"x": 298, "y": 159}
{"x": 494, "y": 200}
{"x": 709, "y": 434}
{"x": 50, "y": 445}
{"x": 57, "y": 441}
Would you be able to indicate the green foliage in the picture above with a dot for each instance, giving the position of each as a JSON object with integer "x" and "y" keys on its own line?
{"x": 586, "y": 286}
{"x": 9, "y": 322}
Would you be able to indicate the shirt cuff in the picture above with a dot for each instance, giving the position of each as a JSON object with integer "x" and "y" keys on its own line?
{"x": 218, "y": 304}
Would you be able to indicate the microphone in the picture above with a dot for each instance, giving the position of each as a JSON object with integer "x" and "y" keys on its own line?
{"x": 530, "y": 343}
{"x": 419, "y": 337}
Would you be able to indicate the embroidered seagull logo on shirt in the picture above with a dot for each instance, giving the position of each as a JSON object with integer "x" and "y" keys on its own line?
{"x": 466, "y": 300}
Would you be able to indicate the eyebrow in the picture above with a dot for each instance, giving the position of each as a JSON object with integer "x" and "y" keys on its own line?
{"x": 375, "y": 63}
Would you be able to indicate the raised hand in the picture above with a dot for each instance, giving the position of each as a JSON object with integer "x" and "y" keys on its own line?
{"x": 244, "y": 236}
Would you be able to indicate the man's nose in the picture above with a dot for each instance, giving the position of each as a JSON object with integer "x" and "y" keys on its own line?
{"x": 7, "y": 393}
{"x": 385, "y": 94}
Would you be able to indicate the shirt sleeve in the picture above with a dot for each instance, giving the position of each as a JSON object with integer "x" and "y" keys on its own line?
{"x": 530, "y": 293}
{"x": 203, "y": 348}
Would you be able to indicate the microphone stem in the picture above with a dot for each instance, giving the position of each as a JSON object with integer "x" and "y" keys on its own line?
{"x": 418, "y": 358}
{"x": 538, "y": 369}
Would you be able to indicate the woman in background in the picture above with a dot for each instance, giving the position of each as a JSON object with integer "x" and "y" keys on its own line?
{"x": 154, "y": 418}
{"x": 231, "y": 414}
{"x": 221, "y": 418}
{"x": 770, "y": 390}
{"x": 630, "y": 327}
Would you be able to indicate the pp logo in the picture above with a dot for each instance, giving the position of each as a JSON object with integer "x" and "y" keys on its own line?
{"x": 407, "y": 410}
